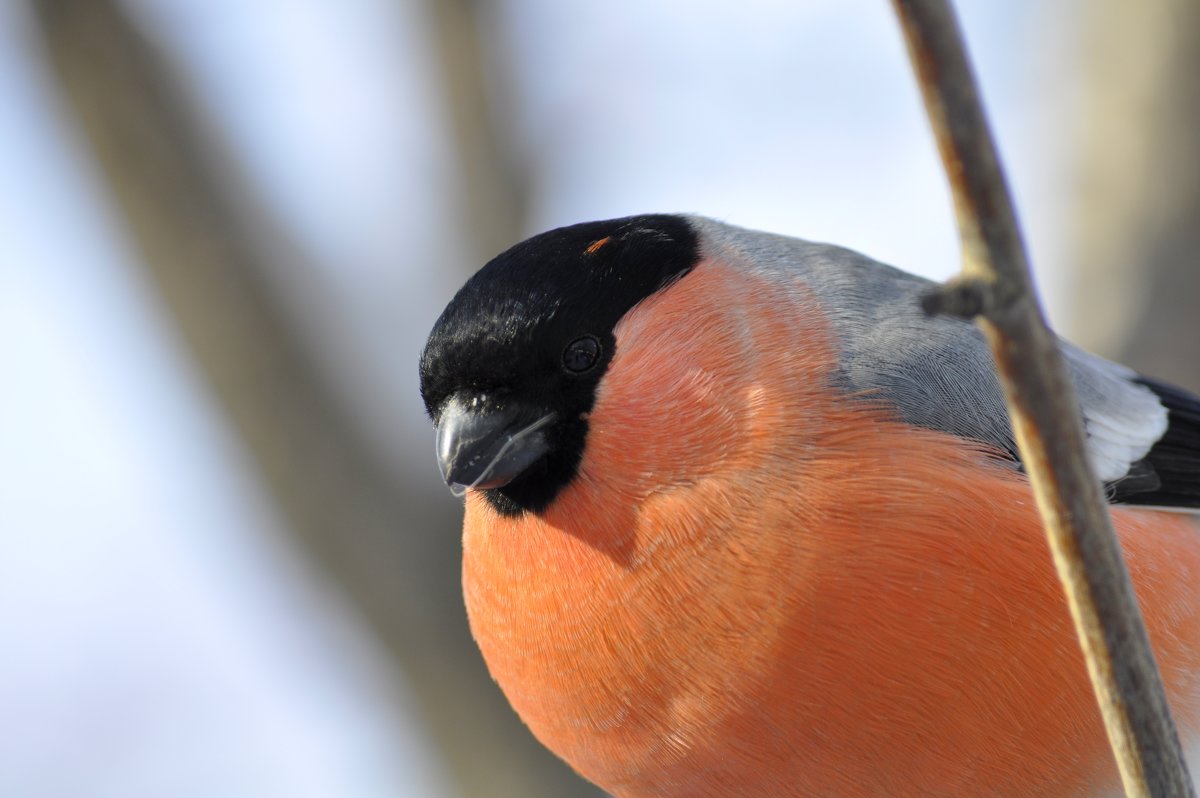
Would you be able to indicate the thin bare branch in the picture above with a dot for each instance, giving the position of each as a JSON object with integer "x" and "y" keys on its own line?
{"x": 996, "y": 286}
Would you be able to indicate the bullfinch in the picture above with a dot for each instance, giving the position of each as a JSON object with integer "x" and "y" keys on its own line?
{"x": 741, "y": 520}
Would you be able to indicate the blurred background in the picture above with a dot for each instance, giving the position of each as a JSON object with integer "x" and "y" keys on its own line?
{"x": 227, "y": 564}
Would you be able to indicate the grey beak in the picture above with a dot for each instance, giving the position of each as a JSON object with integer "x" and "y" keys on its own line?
{"x": 487, "y": 448}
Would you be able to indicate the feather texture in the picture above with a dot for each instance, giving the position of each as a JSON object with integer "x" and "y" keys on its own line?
{"x": 937, "y": 372}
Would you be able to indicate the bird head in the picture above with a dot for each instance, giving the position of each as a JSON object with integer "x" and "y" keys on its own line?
{"x": 512, "y": 367}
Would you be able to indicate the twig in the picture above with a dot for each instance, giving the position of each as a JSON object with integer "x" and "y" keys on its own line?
{"x": 996, "y": 287}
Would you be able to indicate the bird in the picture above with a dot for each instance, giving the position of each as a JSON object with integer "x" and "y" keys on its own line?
{"x": 742, "y": 520}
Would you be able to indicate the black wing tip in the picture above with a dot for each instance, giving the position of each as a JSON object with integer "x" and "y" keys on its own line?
{"x": 1174, "y": 461}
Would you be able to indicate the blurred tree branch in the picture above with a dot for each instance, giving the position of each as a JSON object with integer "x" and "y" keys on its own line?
{"x": 495, "y": 186}
{"x": 1137, "y": 231}
{"x": 207, "y": 245}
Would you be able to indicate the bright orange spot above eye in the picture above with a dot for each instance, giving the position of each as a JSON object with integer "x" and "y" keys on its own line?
{"x": 594, "y": 247}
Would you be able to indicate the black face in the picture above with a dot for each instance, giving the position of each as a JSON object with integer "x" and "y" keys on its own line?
{"x": 531, "y": 334}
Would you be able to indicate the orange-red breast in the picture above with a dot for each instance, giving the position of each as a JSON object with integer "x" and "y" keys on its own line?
{"x": 741, "y": 520}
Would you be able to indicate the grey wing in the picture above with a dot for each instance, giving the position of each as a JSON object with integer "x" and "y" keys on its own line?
{"x": 1143, "y": 437}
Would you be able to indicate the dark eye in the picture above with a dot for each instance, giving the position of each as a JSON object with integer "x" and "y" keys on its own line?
{"x": 581, "y": 354}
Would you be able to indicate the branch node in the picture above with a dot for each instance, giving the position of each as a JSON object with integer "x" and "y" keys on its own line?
{"x": 964, "y": 297}
{"x": 1044, "y": 412}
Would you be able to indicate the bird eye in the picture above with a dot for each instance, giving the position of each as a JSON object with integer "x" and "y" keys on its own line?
{"x": 581, "y": 354}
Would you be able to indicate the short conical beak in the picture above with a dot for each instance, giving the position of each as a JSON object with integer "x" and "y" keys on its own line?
{"x": 479, "y": 447}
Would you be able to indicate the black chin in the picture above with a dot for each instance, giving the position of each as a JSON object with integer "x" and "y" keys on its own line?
{"x": 540, "y": 484}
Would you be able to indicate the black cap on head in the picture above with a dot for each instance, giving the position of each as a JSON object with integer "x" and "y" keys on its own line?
{"x": 531, "y": 334}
